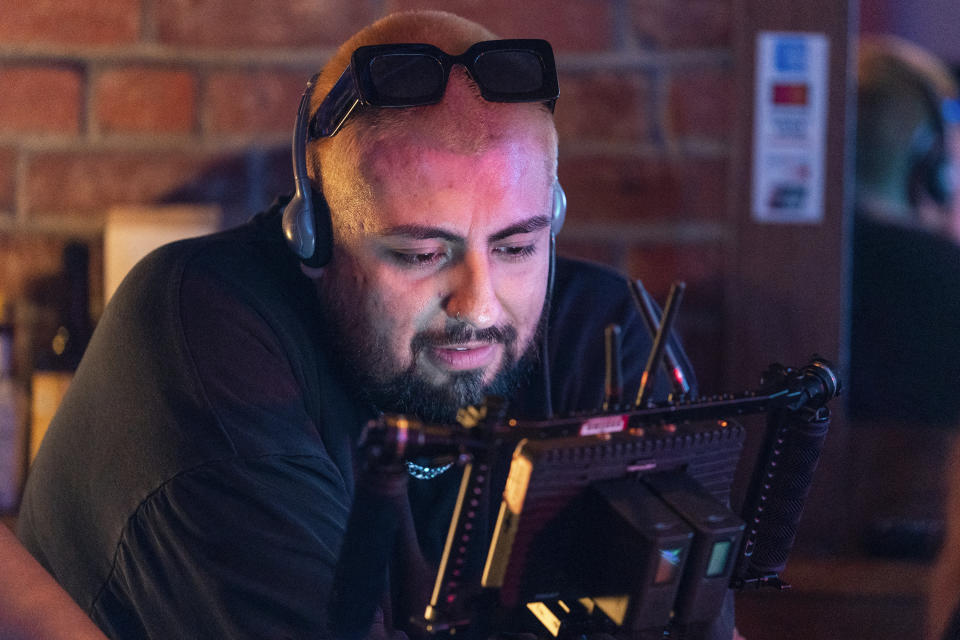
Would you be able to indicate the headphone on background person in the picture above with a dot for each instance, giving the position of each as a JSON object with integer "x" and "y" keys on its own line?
{"x": 931, "y": 172}
{"x": 306, "y": 224}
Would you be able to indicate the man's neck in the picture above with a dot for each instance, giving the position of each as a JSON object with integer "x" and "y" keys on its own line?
{"x": 885, "y": 210}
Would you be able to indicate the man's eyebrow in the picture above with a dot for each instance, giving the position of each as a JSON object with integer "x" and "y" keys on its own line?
{"x": 526, "y": 226}
{"x": 420, "y": 232}
{"x": 423, "y": 232}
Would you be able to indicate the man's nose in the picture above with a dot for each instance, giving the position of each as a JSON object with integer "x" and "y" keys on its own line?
{"x": 473, "y": 297}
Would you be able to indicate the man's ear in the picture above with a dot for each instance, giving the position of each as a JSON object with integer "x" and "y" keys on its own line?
{"x": 314, "y": 273}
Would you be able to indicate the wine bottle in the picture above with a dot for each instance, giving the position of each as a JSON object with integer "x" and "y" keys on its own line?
{"x": 58, "y": 356}
{"x": 11, "y": 418}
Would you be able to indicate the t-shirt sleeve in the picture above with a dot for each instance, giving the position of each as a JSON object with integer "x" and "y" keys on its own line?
{"x": 238, "y": 549}
{"x": 242, "y": 539}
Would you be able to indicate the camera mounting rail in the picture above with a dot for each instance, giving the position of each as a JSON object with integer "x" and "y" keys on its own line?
{"x": 794, "y": 401}
{"x": 396, "y": 436}
{"x": 797, "y": 421}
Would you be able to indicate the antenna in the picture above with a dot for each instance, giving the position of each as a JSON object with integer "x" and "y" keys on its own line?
{"x": 647, "y": 309}
{"x": 659, "y": 342}
{"x": 613, "y": 382}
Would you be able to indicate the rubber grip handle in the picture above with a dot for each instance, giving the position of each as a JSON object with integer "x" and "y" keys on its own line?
{"x": 787, "y": 475}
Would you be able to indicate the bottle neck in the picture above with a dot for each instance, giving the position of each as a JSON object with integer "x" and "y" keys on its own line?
{"x": 6, "y": 351}
{"x": 73, "y": 328}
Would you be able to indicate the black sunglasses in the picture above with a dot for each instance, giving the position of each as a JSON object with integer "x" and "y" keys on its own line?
{"x": 409, "y": 75}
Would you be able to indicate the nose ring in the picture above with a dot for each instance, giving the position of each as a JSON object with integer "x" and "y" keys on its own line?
{"x": 458, "y": 316}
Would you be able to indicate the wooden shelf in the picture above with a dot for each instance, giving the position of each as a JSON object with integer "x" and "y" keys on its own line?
{"x": 858, "y": 576}
{"x": 838, "y": 598}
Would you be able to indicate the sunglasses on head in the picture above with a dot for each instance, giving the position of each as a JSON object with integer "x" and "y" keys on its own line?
{"x": 410, "y": 75}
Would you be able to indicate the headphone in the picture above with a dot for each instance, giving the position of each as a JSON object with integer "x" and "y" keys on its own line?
{"x": 306, "y": 218}
{"x": 931, "y": 173}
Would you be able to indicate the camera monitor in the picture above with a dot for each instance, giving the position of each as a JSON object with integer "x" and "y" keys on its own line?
{"x": 620, "y": 531}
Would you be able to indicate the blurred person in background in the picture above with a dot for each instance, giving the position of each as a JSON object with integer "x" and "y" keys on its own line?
{"x": 904, "y": 380}
{"x": 905, "y": 360}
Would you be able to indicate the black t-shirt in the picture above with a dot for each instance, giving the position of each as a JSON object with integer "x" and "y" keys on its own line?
{"x": 197, "y": 480}
{"x": 905, "y": 328}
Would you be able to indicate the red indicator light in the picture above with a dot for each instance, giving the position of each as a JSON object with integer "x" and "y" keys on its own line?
{"x": 678, "y": 376}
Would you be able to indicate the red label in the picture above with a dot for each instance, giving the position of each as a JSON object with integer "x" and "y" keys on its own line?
{"x": 603, "y": 424}
{"x": 790, "y": 94}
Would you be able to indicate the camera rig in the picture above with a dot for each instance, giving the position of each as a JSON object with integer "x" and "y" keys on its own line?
{"x": 618, "y": 521}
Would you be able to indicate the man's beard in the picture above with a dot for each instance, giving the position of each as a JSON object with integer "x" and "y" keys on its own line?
{"x": 367, "y": 360}
{"x": 410, "y": 393}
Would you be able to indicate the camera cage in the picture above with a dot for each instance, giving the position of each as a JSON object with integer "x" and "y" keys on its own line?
{"x": 556, "y": 469}
{"x": 618, "y": 521}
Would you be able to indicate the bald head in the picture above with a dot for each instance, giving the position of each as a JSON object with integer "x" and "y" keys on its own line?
{"x": 445, "y": 30}
{"x": 899, "y": 91}
{"x": 462, "y": 122}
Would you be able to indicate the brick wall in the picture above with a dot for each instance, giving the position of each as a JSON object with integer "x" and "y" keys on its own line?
{"x": 106, "y": 102}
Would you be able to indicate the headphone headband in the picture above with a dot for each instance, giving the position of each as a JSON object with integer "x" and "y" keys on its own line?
{"x": 306, "y": 223}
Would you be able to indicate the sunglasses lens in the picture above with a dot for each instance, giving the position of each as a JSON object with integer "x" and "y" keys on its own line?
{"x": 406, "y": 78}
{"x": 506, "y": 72}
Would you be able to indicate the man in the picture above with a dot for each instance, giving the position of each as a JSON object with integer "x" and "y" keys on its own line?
{"x": 905, "y": 316}
{"x": 198, "y": 478}
{"x": 906, "y": 299}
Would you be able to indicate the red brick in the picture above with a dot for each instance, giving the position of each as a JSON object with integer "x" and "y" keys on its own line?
{"x": 668, "y": 24}
{"x": 620, "y": 188}
{"x": 603, "y": 105}
{"x": 272, "y": 23}
{"x": 91, "y": 22}
{"x": 39, "y": 99}
{"x": 8, "y": 169}
{"x": 89, "y": 183}
{"x": 145, "y": 100}
{"x": 700, "y": 266}
{"x": 574, "y": 26}
{"x": 260, "y": 102}
{"x": 706, "y": 187}
{"x": 701, "y": 103}
{"x": 699, "y": 320}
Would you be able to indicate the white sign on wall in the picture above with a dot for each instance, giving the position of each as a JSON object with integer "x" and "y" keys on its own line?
{"x": 789, "y": 132}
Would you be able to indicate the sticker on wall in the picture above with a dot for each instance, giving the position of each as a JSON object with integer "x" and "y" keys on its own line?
{"x": 789, "y": 132}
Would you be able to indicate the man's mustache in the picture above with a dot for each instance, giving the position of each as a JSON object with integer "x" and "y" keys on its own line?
{"x": 463, "y": 333}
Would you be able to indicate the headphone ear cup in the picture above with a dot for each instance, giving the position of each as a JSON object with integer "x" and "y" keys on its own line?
{"x": 307, "y": 228}
{"x": 930, "y": 176}
{"x": 298, "y": 227}
{"x": 940, "y": 182}
{"x": 306, "y": 218}
{"x": 323, "y": 232}
{"x": 559, "y": 214}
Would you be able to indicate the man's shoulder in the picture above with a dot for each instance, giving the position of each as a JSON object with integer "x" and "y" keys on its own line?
{"x": 235, "y": 254}
{"x": 249, "y": 263}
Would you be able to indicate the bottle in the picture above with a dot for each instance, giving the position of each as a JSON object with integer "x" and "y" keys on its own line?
{"x": 60, "y": 352}
{"x": 12, "y": 434}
